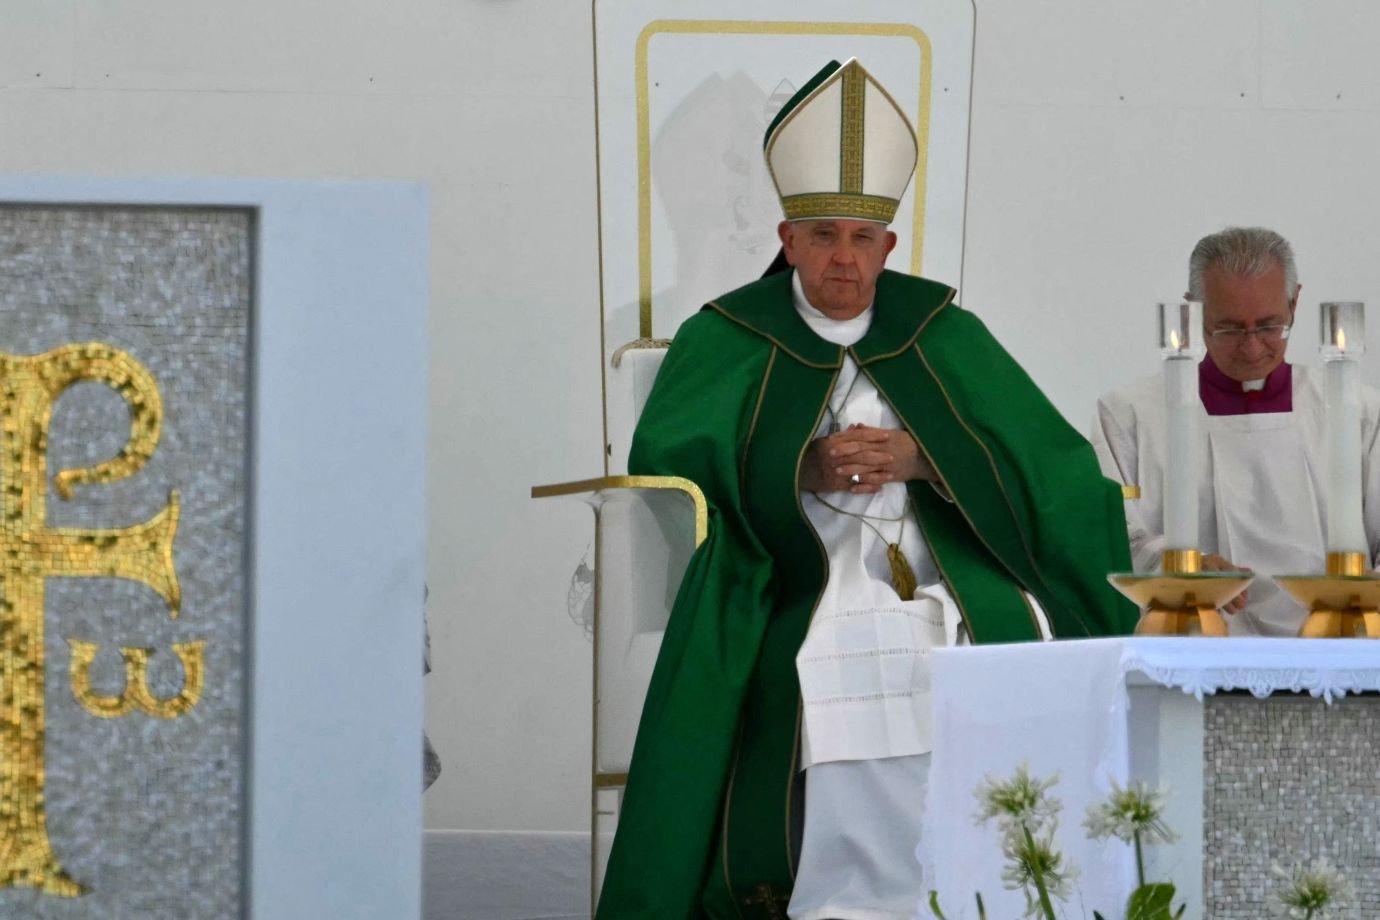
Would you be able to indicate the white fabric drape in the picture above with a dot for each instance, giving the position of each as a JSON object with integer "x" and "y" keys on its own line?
{"x": 1059, "y": 708}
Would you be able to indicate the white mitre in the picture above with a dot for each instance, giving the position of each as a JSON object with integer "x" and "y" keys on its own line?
{"x": 841, "y": 148}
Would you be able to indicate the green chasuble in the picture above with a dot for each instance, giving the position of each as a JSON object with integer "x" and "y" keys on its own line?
{"x": 706, "y": 824}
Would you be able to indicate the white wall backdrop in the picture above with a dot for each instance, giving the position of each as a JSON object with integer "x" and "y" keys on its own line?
{"x": 1106, "y": 138}
{"x": 488, "y": 104}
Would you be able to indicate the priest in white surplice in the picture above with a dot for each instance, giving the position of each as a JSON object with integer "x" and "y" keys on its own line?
{"x": 1262, "y": 496}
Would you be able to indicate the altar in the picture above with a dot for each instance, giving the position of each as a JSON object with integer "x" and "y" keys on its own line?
{"x": 1269, "y": 750}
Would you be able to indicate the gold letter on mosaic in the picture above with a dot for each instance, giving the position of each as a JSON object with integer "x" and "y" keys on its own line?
{"x": 31, "y": 551}
{"x": 136, "y": 697}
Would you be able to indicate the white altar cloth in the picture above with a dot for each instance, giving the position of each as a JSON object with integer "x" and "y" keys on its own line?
{"x": 1062, "y": 708}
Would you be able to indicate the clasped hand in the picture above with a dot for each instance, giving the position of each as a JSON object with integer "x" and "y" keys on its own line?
{"x": 875, "y": 455}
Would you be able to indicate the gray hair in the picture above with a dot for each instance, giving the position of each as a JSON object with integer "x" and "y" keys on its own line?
{"x": 1244, "y": 251}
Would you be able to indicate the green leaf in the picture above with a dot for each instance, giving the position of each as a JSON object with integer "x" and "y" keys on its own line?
{"x": 1151, "y": 902}
{"x": 1097, "y": 916}
{"x": 982, "y": 910}
{"x": 934, "y": 905}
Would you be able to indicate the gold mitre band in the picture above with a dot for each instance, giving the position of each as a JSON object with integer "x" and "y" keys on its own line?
{"x": 837, "y": 206}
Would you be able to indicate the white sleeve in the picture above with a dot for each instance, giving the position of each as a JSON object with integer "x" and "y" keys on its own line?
{"x": 1117, "y": 454}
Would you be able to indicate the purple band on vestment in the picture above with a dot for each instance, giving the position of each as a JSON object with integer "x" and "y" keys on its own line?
{"x": 1224, "y": 396}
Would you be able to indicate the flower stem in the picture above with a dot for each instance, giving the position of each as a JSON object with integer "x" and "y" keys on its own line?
{"x": 1140, "y": 861}
{"x": 1045, "y": 904}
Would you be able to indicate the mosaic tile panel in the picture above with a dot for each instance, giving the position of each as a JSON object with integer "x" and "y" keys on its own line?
{"x": 1287, "y": 779}
{"x": 140, "y": 753}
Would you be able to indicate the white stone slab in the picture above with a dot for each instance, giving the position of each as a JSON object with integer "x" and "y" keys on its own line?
{"x": 337, "y": 523}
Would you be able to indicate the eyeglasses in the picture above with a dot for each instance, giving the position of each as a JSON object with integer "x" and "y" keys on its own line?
{"x": 1271, "y": 334}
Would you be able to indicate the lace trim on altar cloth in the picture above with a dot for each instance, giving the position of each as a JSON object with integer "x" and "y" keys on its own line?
{"x": 1317, "y": 679}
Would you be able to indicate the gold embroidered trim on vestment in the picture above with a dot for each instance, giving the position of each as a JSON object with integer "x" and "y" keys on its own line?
{"x": 752, "y": 426}
{"x": 1001, "y": 487}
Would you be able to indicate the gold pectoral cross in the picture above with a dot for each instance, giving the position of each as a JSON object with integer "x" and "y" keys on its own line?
{"x": 31, "y": 552}
{"x": 773, "y": 902}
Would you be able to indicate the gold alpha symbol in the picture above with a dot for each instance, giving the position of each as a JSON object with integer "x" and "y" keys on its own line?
{"x": 31, "y": 551}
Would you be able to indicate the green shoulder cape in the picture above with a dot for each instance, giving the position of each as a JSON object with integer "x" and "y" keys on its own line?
{"x": 706, "y": 823}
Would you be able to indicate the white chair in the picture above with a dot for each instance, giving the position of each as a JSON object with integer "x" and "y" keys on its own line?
{"x": 645, "y": 529}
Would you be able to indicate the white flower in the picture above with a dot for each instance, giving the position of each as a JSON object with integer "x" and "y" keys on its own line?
{"x": 1030, "y": 860}
{"x": 1027, "y": 817}
{"x": 1305, "y": 893}
{"x": 1020, "y": 802}
{"x": 1128, "y": 812}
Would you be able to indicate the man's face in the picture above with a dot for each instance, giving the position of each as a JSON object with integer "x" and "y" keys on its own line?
{"x": 1231, "y": 302}
{"x": 838, "y": 261}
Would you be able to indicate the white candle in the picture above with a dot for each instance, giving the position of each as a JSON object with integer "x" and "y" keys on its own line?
{"x": 1181, "y": 345}
{"x": 1345, "y": 533}
{"x": 1343, "y": 342}
{"x": 1181, "y": 454}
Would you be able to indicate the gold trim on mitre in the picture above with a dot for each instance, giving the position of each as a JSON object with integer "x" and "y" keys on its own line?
{"x": 844, "y": 150}
{"x": 853, "y": 131}
{"x": 840, "y": 206}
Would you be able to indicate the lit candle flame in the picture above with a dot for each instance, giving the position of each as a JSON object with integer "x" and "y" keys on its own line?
{"x": 1174, "y": 342}
{"x": 1341, "y": 340}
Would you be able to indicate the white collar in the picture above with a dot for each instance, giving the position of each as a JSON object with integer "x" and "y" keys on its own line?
{"x": 843, "y": 332}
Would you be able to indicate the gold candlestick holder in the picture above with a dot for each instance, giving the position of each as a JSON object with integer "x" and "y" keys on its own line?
{"x": 1181, "y": 600}
{"x": 1343, "y": 604}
